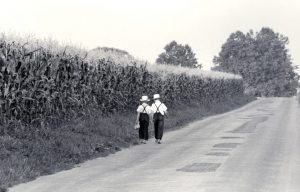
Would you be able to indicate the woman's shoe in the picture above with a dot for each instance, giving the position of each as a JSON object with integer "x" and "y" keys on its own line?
{"x": 158, "y": 141}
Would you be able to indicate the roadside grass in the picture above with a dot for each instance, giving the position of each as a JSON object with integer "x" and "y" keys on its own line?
{"x": 27, "y": 153}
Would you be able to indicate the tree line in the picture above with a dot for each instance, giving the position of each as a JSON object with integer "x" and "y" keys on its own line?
{"x": 261, "y": 58}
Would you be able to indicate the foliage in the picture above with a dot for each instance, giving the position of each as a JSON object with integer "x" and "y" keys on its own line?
{"x": 262, "y": 60}
{"x": 111, "y": 54}
{"x": 165, "y": 70}
{"x": 38, "y": 87}
{"x": 177, "y": 54}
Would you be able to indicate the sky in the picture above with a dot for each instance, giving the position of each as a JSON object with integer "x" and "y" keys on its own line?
{"x": 144, "y": 27}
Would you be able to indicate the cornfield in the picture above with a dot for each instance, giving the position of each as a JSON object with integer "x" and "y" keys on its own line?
{"x": 39, "y": 86}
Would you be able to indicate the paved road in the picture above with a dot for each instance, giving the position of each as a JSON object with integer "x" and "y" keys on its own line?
{"x": 253, "y": 149}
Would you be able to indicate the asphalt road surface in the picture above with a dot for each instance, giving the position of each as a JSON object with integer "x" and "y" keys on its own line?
{"x": 252, "y": 149}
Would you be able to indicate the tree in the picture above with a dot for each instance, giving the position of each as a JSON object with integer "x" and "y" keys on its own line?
{"x": 262, "y": 60}
{"x": 177, "y": 54}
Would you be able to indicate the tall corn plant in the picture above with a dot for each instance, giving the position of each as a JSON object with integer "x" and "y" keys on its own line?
{"x": 38, "y": 86}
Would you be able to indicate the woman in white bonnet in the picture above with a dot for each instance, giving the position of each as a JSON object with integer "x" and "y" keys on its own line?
{"x": 143, "y": 110}
{"x": 159, "y": 109}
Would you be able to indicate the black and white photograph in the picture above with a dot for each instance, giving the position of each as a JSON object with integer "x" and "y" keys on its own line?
{"x": 149, "y": 96}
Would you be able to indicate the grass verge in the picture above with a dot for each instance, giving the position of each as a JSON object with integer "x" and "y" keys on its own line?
{"x": 27, "y": 153}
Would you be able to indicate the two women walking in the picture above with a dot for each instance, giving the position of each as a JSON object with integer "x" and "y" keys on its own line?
{"x": 156, "y": 113}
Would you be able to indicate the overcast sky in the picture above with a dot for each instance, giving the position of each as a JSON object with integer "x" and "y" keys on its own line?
{"x": 144, "y": 27}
